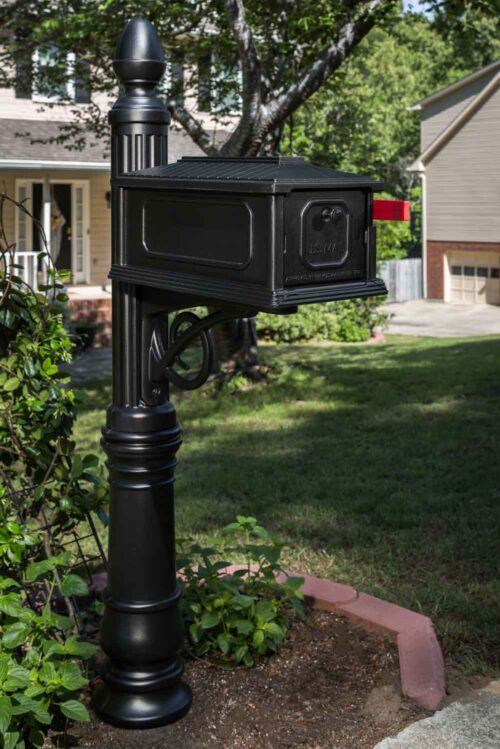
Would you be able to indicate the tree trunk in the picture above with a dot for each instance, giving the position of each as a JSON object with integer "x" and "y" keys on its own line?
{"x": 236, "y": 349}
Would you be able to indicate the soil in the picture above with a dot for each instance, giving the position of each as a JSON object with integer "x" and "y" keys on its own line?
{"x": 331, "y": 685}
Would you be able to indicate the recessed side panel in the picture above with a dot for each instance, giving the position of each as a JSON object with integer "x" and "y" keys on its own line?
{"x": 220, "y": 236}
{"x": 198, "y": 230}
{"x": 325, "y": 237}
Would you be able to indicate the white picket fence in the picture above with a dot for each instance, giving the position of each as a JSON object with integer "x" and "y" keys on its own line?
{"x": 403, "y": 279}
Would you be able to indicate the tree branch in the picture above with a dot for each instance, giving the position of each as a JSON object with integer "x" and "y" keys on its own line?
{"x": 251, "y": 77}
{"x": 194, "y": 129}
{"x": 320, "y": 70}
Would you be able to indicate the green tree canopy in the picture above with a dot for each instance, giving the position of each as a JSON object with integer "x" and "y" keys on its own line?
{"x": 272, "y": 55}
{"x": 361, "y": 120}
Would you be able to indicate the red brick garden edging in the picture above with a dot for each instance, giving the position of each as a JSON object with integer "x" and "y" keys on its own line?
{"x": 420, "y": 658}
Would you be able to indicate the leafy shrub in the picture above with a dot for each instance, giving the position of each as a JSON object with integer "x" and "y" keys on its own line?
{"x": 42, "y": 485}
{"x": 39, "y": 673}
{"x": 37, "y": 408}
{"x": 235, "y": 618}
{"x": 347, "y": 321}
{"x": 393, "y": 240}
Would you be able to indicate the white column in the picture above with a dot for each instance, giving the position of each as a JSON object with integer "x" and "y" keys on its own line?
{"x": 46, "y": 211}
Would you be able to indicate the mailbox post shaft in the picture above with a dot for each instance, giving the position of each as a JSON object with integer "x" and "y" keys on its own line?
{"x": 141, "y": 631}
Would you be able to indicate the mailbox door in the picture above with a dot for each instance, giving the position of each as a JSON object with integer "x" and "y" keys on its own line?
{"x": 325, "y": 237}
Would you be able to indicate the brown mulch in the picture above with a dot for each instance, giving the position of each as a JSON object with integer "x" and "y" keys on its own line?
{"x": 332, "y": 685}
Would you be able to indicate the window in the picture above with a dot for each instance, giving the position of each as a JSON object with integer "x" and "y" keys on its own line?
{"x": 482, "y": 272}
{"x": 469, "y": 270}
{"x": 495, "y": 272}
{"x": 49, "y": 68}
{"x": 219, "y": 86}
{"x": 39, "y": 74}
{"x": 456, "y": 270}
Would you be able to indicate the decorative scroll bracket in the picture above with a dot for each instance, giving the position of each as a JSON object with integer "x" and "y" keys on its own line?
{"x": 168, "y": 343}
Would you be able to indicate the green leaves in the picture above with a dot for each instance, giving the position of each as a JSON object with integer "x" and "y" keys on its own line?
{"x": 11, "y": 605}
{"x": 11, "y": 384}
{"x": 71, "y": 677}
{"x": 235, "y": 618}
{"x": 38, "y": 569}
{"x": 11, "y": 739}
{"x": 38, "y": 670}
{"x": 5, "y": 713}
{"x": 17, "y": 678}
{"x": 48, "y": 367}
{"x": 76, "y": 647}
{"x": 74, "y": 710}
{"x": 14, "y": 635}
{"x": 73, "y": 585}
{"x": 210, "y": 619}
{"x": 27, "y": 705}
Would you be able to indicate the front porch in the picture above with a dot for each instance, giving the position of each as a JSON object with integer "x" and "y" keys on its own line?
{"x": 67, "y": 214}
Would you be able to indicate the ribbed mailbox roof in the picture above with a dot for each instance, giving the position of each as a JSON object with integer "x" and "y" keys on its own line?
{"x": 260, "y": 174}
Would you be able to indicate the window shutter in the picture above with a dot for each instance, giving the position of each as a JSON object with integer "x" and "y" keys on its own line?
{"x": 204, "y": 83}
{"x": 174, "y": 77}
{"x": 82, "y": 82}
{"x": 24, "y": 71}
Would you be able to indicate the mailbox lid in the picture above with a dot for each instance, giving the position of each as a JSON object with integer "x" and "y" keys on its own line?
{"x": 268, "y": 174}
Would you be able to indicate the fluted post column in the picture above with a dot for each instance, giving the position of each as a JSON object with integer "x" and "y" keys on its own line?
{"x": 141, "y": 631}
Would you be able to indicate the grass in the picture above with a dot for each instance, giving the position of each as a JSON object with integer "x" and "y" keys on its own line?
{"x": 377, "y": 464}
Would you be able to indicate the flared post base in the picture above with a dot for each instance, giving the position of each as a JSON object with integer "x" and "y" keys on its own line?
{"x": 146, "y": 710}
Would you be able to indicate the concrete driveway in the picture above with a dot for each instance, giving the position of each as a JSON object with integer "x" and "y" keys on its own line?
{"x": 439, "y": 320}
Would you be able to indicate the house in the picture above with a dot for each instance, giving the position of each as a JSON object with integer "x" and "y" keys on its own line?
{"x": 67, "y": 191}
{"x": 459, "y": 166}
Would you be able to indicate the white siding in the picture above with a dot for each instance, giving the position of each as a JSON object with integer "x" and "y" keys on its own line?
{"x": 439, "y": 114}
{"x": 463, "y": 180}
{"x": 29, "y": 109}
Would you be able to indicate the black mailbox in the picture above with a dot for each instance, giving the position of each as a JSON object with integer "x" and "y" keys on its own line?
{"x": 235, "y": 235}
{"x": 271, "y": 232}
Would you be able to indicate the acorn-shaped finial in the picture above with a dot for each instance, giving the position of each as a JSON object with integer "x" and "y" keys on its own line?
{"x": 139, "y": 65}
{"x": 139, "y": 54}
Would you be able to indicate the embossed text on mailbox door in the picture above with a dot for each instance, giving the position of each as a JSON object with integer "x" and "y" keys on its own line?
{"x": 325, "y": 234}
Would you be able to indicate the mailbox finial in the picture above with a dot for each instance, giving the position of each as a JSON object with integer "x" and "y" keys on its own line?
{"x": 139, "y": 115}
{"x": 139, "y": 66}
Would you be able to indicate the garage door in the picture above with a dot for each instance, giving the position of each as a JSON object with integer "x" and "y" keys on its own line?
{"x": 473, "y": 279}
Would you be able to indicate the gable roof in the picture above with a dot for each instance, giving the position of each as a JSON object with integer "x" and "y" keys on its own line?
{"x": 455, "y": 125}
{"x": 17, "y": 151}
{"x": 440, "y": 93}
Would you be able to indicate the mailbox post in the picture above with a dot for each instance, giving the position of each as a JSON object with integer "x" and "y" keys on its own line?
{"x": 141, "y": 631}
{"x": 241, "y": 235}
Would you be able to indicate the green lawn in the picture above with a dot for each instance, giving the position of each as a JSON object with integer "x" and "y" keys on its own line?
{"x": 379, "y": 465}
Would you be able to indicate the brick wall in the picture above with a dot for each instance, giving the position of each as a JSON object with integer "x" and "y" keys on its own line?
{"x": 435, "y": 261}
{"x": 96, "y": 311}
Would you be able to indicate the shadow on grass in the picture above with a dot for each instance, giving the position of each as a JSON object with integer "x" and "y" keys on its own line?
{"x": 382, "y": 460}
{"x": 377, "y": 464}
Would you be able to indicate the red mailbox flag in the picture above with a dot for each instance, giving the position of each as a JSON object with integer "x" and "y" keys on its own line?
{"x": 391, "y": 210}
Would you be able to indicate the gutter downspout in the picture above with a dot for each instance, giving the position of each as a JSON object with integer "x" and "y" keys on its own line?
{"x": 423, "y": 199}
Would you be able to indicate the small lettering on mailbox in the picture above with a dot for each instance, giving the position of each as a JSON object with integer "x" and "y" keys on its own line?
{"x": 325, "y": 234}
